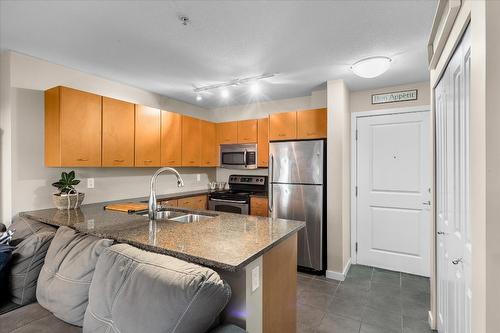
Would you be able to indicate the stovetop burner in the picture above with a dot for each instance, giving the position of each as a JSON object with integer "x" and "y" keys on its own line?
{"x": 241, "y": 187}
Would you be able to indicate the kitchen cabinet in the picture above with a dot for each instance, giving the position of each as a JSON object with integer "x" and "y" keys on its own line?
{"x": 227, "y": 132}
{"x": 147, "y": 136}
{"x": 196, "y": 202}
{"x": 209, "y": 146}
{"x": 247, "y": 131}
{"x": 169, "y": 203}
{"x": 263, "y": 143}
{"x": 312, "y": 124}
{"x": 118, "y": 122}
{"x": 72, "y": 128}
{"x": 171, "y": 139}
{"x": 258, "y": 206}
{"x": 191, "y": 141}
{"x": 283, "y": 126}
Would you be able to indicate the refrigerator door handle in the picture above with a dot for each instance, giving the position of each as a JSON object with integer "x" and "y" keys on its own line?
{"x": 271, "y": 170}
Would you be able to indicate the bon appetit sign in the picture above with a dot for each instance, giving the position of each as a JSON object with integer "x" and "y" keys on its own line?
{"x": 397, "y": 96}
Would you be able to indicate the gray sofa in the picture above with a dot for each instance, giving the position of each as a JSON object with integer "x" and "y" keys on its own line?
{"x": 87, "y": 284}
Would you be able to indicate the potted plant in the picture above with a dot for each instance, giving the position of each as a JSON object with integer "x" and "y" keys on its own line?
{"x": 68, "y": 197}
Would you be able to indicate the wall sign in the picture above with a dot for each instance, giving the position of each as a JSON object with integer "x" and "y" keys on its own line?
{"x": 397, "y": 96}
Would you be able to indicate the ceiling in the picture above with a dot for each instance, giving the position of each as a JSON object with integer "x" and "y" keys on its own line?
{"x": 143, "y": 43}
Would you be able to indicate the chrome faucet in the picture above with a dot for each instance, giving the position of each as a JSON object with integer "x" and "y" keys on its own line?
{"x": 152, "y": 194}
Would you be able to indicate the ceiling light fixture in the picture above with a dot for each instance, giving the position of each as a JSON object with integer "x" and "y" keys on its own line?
{"x": 224, "y": 93}
{"x": 235, "y": 82}
{"x": 371, "y": 67}
{"x": 199, "y": 98}
{"x": 255, "y": 88}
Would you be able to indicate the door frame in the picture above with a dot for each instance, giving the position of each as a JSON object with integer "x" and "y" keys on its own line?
{"x": 354, "y": 170}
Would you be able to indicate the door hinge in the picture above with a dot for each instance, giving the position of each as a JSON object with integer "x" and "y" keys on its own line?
{"x": 356, "y": 246}
{"x": 355, "y": 191}
{"x": 356, "y": 135}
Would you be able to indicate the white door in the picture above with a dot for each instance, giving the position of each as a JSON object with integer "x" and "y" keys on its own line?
{"x": 393, "y": 198}
{"x": 452, "y": 194}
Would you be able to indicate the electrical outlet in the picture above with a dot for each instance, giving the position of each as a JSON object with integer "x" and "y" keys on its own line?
{"x": 198, "y": 177}
{"x": 90, "y": 182}
{"x": 255, "y": 278}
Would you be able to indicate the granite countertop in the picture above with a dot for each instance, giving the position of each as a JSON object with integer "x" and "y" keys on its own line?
{"x": 227, "y": 241}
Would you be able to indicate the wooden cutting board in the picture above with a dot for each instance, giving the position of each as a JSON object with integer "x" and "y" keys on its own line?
{"x": 127, "y": 207}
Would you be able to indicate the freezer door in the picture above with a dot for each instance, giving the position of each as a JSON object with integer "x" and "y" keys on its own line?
{"x": 297, "y": 162}
{"x": 303, "y": 203}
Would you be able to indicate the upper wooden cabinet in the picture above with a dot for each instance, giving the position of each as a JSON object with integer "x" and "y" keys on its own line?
{"x": 191, "y": 141}
{"x": 247, "y": 131}
{"x": 117, "y": 133}
{"x": 227, "y": 132}
{"x": 283, "y": 126}
{"x": 72, "y": 128}
{"x": 263, "y": 143}
{"x": 312, "y": 124}
{"x": 147, "y": 136}
{"x": 171, "y": 139}
{"x": 209, "y": 146}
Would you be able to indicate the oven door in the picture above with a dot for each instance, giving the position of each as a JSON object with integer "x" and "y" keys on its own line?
{"x": 228, "y": 206}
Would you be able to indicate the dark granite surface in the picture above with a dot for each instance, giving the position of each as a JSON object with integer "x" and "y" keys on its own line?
{"x": 227, "y": 241}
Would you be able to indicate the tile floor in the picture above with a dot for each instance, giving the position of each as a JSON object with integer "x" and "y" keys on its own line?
{"x": 370, "y": 300}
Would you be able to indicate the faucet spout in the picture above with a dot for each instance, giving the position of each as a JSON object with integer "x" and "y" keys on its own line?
{"x": 152, "y": 205}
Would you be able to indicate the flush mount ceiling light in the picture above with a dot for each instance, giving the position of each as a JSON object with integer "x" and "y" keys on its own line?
{"x": 235, "y": 82}
{"x": 371, "y": 67}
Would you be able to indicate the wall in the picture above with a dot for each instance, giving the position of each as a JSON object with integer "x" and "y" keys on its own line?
{"x": 25, "y": 179}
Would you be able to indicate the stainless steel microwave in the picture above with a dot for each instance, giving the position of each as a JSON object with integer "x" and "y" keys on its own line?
{"x": 238, "y": 156}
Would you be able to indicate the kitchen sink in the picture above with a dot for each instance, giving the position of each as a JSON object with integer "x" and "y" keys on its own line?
{"x": 188, "y": 218}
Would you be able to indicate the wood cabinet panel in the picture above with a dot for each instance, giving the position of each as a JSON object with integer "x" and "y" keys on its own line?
{"x": 72, "y": 128}
{"x": 196, "y": 202}
{"x": 312, "y": 124}
{"x": 117, "y": 133}
{"x": 247, "y": 131}
{"x": 209, "y": 145}
{"x": 283, "y": 126}
{"x": 227, "y": 132}
{"x": 171, "y": 139}
{"x": 263, "y": 143}
{"x": 191, "y": 141}
{"x": 169, "y": 203}
{"x": 259, "y": 206}
{"x": 147, "y": 136}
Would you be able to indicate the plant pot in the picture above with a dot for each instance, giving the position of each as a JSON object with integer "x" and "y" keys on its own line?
{"x": 68, "y": 201}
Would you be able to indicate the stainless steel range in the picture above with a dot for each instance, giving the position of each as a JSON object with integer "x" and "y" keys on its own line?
{"x": 237, "y": 198}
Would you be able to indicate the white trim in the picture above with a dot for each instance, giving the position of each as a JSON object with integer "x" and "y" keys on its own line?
{"x": 430, "y": 320}
{"x": 339, "y": 276}
{"x": 354, "y": 164}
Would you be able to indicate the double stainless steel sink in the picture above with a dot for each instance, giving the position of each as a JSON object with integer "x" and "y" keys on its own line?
{"x": 178, "y": 216}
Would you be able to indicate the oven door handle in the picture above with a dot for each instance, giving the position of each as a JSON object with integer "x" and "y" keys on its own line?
{"x": 230, "y": 201}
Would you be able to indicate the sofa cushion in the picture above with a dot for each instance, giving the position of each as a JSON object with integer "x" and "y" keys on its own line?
{"x": 25, "y": 265}
{"x": 33, "y": 318}
{"x": 63, "y": 284}
{"x": 138, "y": 291}
{"x": 24, "y": 227}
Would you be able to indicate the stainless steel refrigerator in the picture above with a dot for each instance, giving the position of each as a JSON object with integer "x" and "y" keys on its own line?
{"x": 296, "y": 180}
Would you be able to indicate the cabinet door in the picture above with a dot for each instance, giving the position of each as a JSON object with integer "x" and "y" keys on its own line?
{"x": 196, "y": 202}
{"x": 209, "y": 146}
{"x": 283, "y": 126}
{"x": 80, "y": 128}
{"x": 147, "y": 136}
{"x": 191, "y": 141}
{"x": 171, "y": 139}
{"x": 258, "y": 206}
{"x": 247, "y": 131}
{"x": 117, "y": 133}
{"x": 169, "y": 203}
{"x": 263, "y": 143}
{"x": 227, "y": 132}
{"x": 312, "y": 124}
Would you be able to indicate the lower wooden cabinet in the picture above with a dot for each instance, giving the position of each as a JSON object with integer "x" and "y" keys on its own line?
{"x": 196, "y": 202}
{"x": 259, "y": 206}
{"x": 169, "y": 203}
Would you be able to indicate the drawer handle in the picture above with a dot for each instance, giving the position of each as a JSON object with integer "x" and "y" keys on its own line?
{"x": 171, "y": 161}
{"x": 119, "y": 161}
{"x": 82, "y": 159}
{"x": 311, "y": 133}
{"x": 281, "y": 134}
{"x": 148, "y": 161}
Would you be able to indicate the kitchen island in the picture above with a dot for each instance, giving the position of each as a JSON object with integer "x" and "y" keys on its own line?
{"x": 257, "y": 256}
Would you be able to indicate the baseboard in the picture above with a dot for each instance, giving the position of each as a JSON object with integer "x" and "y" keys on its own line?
{"x": 338, "y": 275}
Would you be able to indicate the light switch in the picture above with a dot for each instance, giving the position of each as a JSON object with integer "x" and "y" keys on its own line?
{"x": 255, "y": 278}
{"x": 90, "y": 182}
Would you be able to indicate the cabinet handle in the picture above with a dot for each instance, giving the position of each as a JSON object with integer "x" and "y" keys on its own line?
{"x": 119, "y": 161}
{"x": 171, "y": 161}
{"x": 311, "y": 133}
{"x": 281, "y": 134}
{"x": 82, "y": 159}
{"x": 148, "y": 161}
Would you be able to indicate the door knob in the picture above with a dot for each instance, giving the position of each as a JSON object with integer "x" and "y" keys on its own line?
{"x": 427, "y": 203}
{"x": 456, "y": 261}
